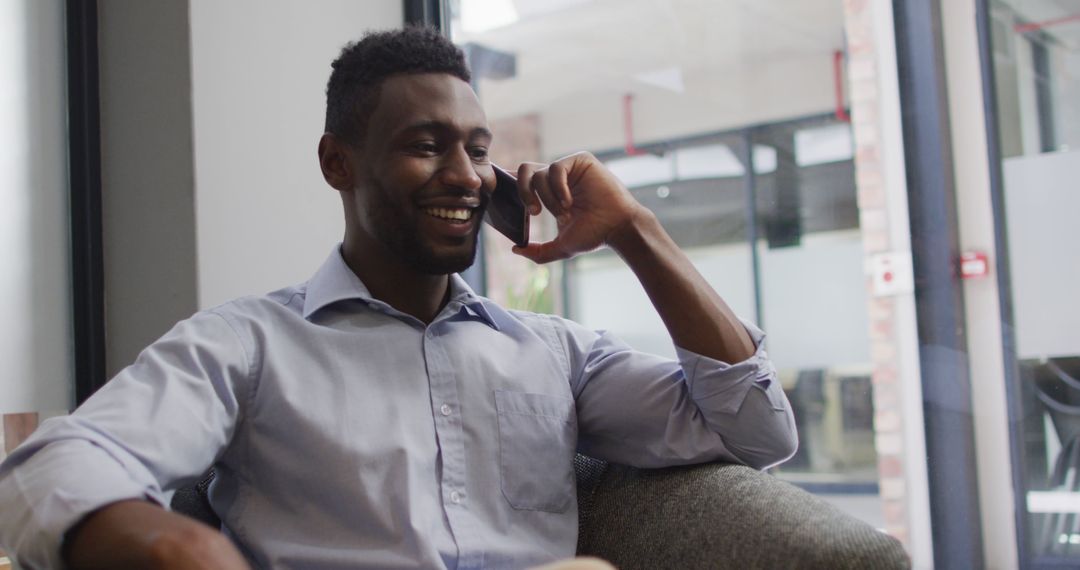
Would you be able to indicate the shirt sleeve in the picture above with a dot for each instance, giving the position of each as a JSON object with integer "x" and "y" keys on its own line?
{"x": 644, "y": 410}
{"x": 156, "y": 426}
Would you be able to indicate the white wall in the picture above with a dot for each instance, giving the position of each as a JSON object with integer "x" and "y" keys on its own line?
{"x": 813, "y": 299}
{"x": 35, "y": 283}
{"x": 265, "y": 217}
{"x": 147, "y": 174}
{"x": 814, "y": 302}
{"x": 1041, "y": 203}
{"x": 605, "y": 295}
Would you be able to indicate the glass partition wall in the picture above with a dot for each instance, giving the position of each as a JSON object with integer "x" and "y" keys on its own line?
{"x": 1035, "y": 57}
{"x": 693, "y": 105}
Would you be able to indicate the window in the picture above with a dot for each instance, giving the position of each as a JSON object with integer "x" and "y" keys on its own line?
{"x": 1036, "y": 59}
{"x": 678, "y": 99}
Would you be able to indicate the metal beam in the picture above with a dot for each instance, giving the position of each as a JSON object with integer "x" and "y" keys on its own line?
{"x": 84, "y": 133}
{"x": 1003, "y": 273}
{"x": 939, "y": 302}
{"x": 427, "y": 13}
{"x": 750, "y": 209}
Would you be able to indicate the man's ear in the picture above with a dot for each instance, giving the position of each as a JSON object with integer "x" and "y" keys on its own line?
{"x": 337, "y": 170}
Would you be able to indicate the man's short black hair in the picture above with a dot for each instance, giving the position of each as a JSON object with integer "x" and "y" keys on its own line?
{"x": 358, "y": 72}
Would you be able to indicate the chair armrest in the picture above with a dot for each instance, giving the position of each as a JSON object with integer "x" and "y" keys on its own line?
{"x": 722, "y": 516}
{"x": 194, "y": 502}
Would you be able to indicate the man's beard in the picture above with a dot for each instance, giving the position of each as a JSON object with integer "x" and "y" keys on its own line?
{"x": 399, "y": 233}
{"x": 423, "y": 258}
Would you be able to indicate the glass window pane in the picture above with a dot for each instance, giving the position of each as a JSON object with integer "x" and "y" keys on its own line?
{"x": 814, "y": 298}
{"x": 1036, "y": 55}
{"x": 670, "y": 96}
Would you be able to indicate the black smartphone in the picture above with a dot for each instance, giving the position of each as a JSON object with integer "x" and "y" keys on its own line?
{"x": 506, "y": 211}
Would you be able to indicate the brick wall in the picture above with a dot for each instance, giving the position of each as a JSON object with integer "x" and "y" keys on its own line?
{"x": 864, "y": 94}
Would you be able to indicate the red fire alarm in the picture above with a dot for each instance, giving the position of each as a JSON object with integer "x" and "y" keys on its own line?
{"x": 974, "y": 264}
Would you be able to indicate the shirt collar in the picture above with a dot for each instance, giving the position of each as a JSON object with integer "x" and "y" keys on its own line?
{"x": 473, "y": 304}
{"x": 334, "y": 282}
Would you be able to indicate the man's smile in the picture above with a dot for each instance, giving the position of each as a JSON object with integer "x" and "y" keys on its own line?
{"x": 450, "y": 220}
{"x": 453, "y": 215}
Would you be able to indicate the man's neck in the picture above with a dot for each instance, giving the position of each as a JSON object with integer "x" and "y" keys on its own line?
{"x": 393, "y": 282}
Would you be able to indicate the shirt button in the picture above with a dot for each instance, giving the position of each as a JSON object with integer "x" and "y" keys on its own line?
{"x": 455, "y": 497}
{"x": 445, "y": 409}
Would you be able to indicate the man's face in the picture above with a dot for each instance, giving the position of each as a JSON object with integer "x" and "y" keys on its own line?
{"x": 423, "y": 173}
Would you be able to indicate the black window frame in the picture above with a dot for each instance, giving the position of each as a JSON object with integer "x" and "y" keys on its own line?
{"x": 84, "y": 163}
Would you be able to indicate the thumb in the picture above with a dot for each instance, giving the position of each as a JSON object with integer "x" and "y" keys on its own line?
{"x": 541, "y": 253}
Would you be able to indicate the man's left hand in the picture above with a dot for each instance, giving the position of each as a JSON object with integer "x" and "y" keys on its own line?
{"x": 591, "y": 206}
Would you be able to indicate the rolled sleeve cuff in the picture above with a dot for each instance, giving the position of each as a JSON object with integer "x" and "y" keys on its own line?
{"x": 39, "y": 521}
{"x": 721, "y": 386}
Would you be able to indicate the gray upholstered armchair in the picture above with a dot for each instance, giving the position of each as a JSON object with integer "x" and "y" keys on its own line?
{"x": 719, "y": 516}
{"x": 705, "y": 516}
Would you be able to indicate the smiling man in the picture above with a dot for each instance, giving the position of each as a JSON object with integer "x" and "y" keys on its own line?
{"x": 383, "y": 415}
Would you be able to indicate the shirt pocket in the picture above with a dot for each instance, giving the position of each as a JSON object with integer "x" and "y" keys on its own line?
{"x": 537, "y": 438}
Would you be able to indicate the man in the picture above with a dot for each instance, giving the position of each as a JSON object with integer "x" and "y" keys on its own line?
{"x": 383, "y": 415}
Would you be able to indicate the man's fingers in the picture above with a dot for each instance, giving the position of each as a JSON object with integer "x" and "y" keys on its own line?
{"x": 560, "y": 186}
{"x": 545, "y": 185}
{"x": 541, "y": 253}
{"x": 541, "y": 186}
{"x": 525, "y": 174}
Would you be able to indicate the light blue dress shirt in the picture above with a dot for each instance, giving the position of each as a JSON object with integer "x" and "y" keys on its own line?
{"x": 347, "y": 434}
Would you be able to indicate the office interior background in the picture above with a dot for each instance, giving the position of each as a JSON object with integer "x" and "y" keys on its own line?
{"x": 889, "y": 189}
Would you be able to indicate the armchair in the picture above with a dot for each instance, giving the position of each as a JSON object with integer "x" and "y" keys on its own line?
{"x": 703, "y": 516}
{"x": 719, "y": 516}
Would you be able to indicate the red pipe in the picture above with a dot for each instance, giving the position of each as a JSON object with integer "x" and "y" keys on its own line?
{"x": 838, "y": 83}
{"x": 1032, "y": 26}
{"x": 628, "y": 125}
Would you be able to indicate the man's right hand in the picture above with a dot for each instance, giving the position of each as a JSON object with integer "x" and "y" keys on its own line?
{"x": 138, "y": 534}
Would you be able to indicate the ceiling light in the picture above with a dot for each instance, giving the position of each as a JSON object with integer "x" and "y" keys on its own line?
{"x": 483, "y": 15}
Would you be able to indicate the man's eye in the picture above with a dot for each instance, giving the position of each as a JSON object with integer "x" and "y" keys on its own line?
{"x": 478, "y": 153}
{"x": 425, "y": 147}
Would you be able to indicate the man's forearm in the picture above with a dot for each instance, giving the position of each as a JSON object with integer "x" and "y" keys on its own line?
{"x": 116, "y": 536}
{"x": 138, "y": 534}
{"x": 593, "y": 208}
{"x": 696, "y": 317}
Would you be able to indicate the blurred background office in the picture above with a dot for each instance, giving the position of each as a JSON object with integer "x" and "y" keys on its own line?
{"x": 887, "y": 188}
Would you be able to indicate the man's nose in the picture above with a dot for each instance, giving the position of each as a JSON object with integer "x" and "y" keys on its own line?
{"x": 459, "y": 171}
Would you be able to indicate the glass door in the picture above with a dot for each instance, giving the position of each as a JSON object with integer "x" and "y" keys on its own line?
{"x": 1035, "y": 49}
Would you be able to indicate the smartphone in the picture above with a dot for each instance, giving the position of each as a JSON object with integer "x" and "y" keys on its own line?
{"x": 506, "y": 211}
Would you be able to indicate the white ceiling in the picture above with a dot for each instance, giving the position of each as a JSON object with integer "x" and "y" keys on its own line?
{"x": 573, "y": 49}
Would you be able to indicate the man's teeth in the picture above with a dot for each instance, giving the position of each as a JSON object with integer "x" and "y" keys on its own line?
{"x": 462, "y": 214}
